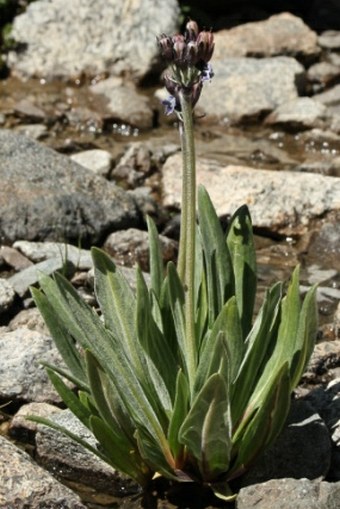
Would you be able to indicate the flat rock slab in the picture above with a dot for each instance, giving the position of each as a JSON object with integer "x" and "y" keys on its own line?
{"x": 246, "y": 88}
{"x": 65, "y": 39}
{"x": 47, "y": 196}
{"x": 289, "y": 494}
{"x": 22, "y": 377}
{"x": 26, "y": 485}
{"x": 279, "y": 201}
{"x": 282, "y": 34}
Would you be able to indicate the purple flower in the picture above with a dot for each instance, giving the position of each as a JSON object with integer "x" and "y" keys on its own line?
{"x": 207, "y": 72}
{"x": 170, "y": 104}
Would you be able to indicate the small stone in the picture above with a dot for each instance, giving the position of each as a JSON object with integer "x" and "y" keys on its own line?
{"x": 302, "y": 112}
{"x": 34, "y": 131}
{"x": 330, "y": 39}
{"x": 40, "y": 251}
{"x": 330, "y": 97}
{"x": 30, "y": 319}
{"x": 131, "y": 247}
{"x": 14, "y": 258}
{"x": 98, "y": 161}
{"x": 124, "y": 103}
{"x": 323, "y": 73}
{"x": 24, "y": 430}
{"x": 7, "y": 295}
{"x": 26, "y": 108}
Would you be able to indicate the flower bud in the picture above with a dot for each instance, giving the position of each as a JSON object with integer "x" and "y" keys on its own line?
{"x": 205, "y": 45}
{"x": 191, "y": 30}
{"x": 191, "y": 53}
{"x": 166, "y": 46}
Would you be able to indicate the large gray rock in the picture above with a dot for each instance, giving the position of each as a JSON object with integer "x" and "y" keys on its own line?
{"x": 64, "y": 39}
{"x": 289, "y": 494}
{"x": 25, "y": 485}
{"x": 46, "y": 196}
{"x": 282, "y": 34}
{"x": 246, "y": 88}
{"x": 22, "y": 377}
{"x": 279, "y": 201}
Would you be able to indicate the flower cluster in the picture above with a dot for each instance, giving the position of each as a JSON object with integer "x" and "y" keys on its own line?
{"x": 189, "y": 57}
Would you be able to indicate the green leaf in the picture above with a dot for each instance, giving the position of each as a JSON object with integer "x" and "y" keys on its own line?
{"x": 154, "y": 455}
{"x": 176, "y": 303}
{"x": 259, "y": 346}
{"x": 242, "y": 251}
{"x": 263, "y": 421}
{"x": 180, "y": 410}
{"x": 217, "y": 260}
{"x": 206, "y": 431}
{"x": 69, "y": 398}
{"x": 63, "y": 340}
{"x": 156, "y": 259}
{"x": 155, "y": 345}
{"x": 306, "y": 336}
{"x": 116, "y": 301}
{"x": 119, "y": 453}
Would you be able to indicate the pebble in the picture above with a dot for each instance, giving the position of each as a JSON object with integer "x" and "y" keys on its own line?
{"x": 96, "y": 160}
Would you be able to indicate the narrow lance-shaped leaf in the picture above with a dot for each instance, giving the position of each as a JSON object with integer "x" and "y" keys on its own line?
{"x": 180, "y": 410}
{"x": 156, "y": 260}
{"x": 206, "y": 431}
{"x": 242, "y": 251}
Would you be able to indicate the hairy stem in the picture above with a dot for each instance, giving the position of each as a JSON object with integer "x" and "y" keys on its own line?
{"x": 184, "y": 210}
{"x": 188, "y": 227}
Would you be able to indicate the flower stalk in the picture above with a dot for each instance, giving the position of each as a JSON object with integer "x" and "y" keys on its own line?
{"x": 189, "y": 57}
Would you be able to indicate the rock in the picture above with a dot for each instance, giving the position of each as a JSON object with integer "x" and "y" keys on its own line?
{"x": 21, "y": 281}
{"x": 131, "y": 247}
{"x": 330, "y": 39}
{"x": 323, "y": 73}
{"x": 325, "y": 356}
{"x": 40, "y": 251}
{"x": 28, "y": 319}
{"x": 96, "y": 160}
{"x": 124, "y": 103}
{"x": 63, "y": 39}
{"x": 330, "y": 97}
{"x": 282, "y": 34}
{"x": 24, "y": 430}
{"x": 279, "y": 201}
{"x": 7, "y": 295}
{"x": 246, "y": 88}
{"x": 35, "y": 131}
{"x": 325, "y": 245}
{"x": 14, "y": 259}
{"x": 26, "y": 485}
{"x": 46, "y": 196}
{"x": 322, "y": 167}
{"x": 279, "y": 494}
{"x": 22, "y": 377}
{"x": 25, "y": 108}
{"x": 57, "y": 452}
{"x": 299, "y": 113}
{"x": 303, "y": 449}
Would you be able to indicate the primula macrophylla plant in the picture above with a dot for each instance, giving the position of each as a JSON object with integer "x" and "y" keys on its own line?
{"x": 178, "y": 378}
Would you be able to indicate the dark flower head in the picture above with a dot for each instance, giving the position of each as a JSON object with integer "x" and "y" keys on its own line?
{"x": 189, "y": 57}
